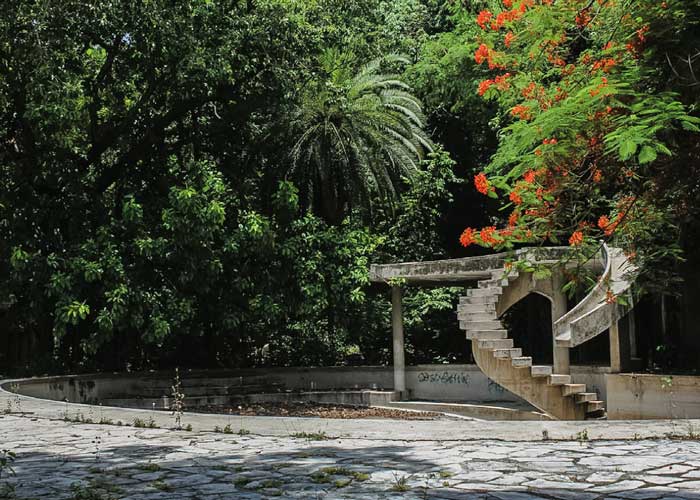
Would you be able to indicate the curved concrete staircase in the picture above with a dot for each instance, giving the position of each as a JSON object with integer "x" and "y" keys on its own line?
{"x": 505, "y": 364}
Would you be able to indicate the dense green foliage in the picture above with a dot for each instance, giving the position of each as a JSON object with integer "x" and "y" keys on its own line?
{"x": 147, "y": 216}
{"x": 205, "y": 183}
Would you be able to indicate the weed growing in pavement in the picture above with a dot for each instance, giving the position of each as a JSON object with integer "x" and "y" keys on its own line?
{"x": 240, "y": 482}
{"x": 582, "y": 436}
{"x": 178, "y": 405}
{"x": 311, "y": 436}
{"x": 82, "y": 492}
{"x": 400, "y": 483}
{"x": 145, "y": 424}
{"x": 161, "y": 485}
{"x": 149, "y": 467}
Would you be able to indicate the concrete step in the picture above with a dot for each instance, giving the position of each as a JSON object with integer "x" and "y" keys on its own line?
{"x": 476, "y": 308}
{"x": 477, "y": 316}
{"x": 557, "y": 379}
{"x": 571, "y": 389}
{"x": 584, "y": 397}
{"x": 495, "y": 344}
{"x": 487, "y": 334}
{"x": 540, "y": 371}
{"x": 522, "y": 362}
{"x": 481, "y": 325}
{"x": 485, "y": 292}
{"x": 494, "y": 282}
{"x": 508, "y": 353}
{"x": 486, "y": 299}
{"x": 593, "y": 406}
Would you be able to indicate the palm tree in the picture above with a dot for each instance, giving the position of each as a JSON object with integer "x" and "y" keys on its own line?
{"x": 359, "y": 137}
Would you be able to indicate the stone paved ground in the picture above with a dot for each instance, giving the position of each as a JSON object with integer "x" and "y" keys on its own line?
{"x": 61, "y": 460}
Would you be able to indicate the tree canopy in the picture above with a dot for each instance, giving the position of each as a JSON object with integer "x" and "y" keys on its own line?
{"x": 205, "y": 183}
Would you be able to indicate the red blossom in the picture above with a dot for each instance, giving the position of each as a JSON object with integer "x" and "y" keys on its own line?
{"x": 467, "y": 237}
{"x": 488, "y": 235}
{"x": 521, "y": 111}
{"x": 482, "y": 183}
{"x": 583, "y": 18}
{"x": 508, "y": 39}
{"x": 513, "y": 218}
{"x": 576, "y": 239}
{"x": 484, "y": 86}
{"x": 515, "y": 197}
{"x": 482, "y": 53}
{"x": 483, "y": 18}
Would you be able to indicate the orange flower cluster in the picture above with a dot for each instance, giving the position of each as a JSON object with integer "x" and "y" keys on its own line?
{"x": 576, "y": 239}
{"x": 508, "y": 39}
{"x": 529, "y": 176}
{"x": 607, "y": 226}
{"x": 552, "y": 141}
{"x": 482, "y": 54}
{"x": 597, "y": 176}
{"x": 482, "y": 183}
{"x": 521, "y": 111}
{"x": 484, "y": 18}
{"x": 501, "y": 81}
{"x": 594, "y": 92}
{"x": 467, "y": 237}
{"x": 583, "y": 18}
{"x": 605, "y": 65}
{"x": 513, "y": 218}
{"x": 515, "y": 197}
{"x": 488, "y": 235}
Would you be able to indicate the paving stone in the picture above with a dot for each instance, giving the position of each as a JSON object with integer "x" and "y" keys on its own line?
{"x": 646, "y": 493}
{"x": 621, "y": 486}
{"x": 688, "y": 485}
{"x": 545, "y": 484}
{"x": 604, "y": 477}
{"x": 213, "y": 467}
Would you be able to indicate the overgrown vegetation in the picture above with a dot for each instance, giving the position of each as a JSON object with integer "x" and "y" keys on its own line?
{"x": 206, "y": 184}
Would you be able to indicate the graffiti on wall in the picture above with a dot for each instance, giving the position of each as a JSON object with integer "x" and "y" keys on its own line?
{"x": 444, "y": 378}
{"x": 495, "y": 388}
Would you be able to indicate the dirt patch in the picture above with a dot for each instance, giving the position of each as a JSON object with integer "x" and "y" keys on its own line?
{"x": 319, "y": 411}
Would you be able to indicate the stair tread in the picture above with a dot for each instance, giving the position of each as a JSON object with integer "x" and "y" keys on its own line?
{"x": 522, "y": 361}
{"x": 508, "y": 353}
{"x": 572, "y": 389}
{"x": 542, "y": 370}
{"x": 559, "y": 379}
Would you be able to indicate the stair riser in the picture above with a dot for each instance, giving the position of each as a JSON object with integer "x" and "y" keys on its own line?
{"x": 541, "y": 371}
{"x": 571, "y": 389}
{"x": 493, "y": 283}
{"x": 491, "y": 299}
{"x": 522, "y": 362}
{"x": 584, "y": 397}
{"x": 489, "y": 308}
{"x": 487, "y": 334}
{"x": 484, "y": 292}
{"x": 508, "y": 353}
{"x": 559, "y": 379}
{"x": 480, "y": 316}
{"x": 480, "y": 325}
{"x": 495, "y": 344}
{"x": 594, "y": 406}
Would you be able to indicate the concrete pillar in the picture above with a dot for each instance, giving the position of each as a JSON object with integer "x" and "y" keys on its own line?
{"x": 398, "y": 341}
{"x": 615, "y": 357}
{"x": 560, "y": 355}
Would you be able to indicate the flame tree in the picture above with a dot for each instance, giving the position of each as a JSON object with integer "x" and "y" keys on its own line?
{"x": 591, "y": 117}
